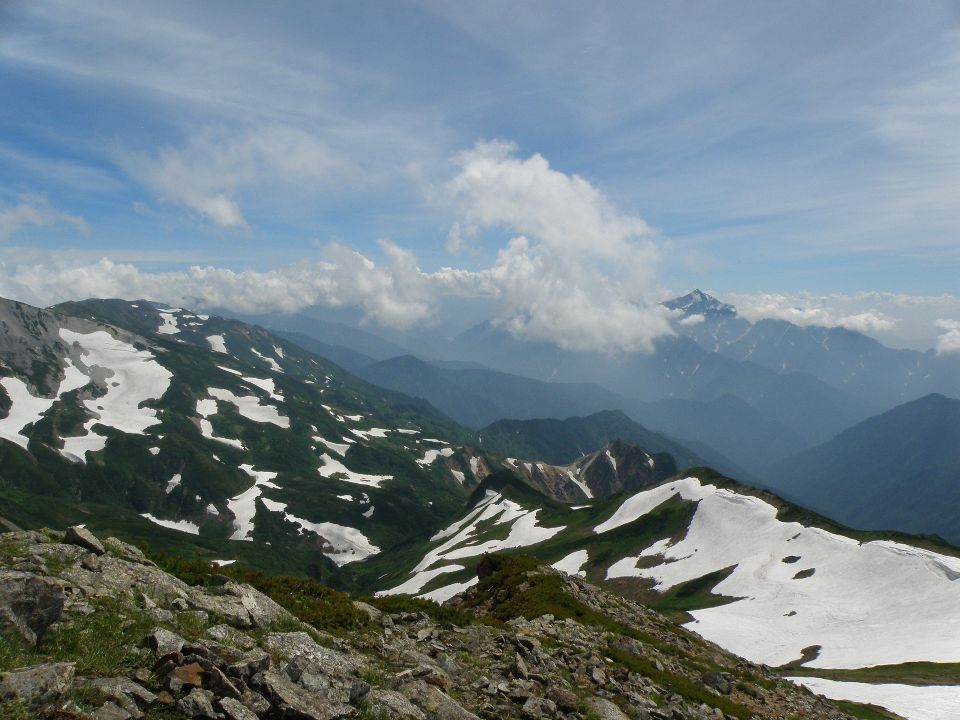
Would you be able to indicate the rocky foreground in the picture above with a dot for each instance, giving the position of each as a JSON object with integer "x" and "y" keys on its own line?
{"x": 95, "y": 629}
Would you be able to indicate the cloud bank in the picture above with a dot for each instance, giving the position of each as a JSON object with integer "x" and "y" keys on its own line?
{"x": 575, "y": 271}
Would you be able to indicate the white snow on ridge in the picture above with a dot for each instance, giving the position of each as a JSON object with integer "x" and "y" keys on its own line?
{"x": 417, "y": 582}
{"x": 217, "y": 343}
{"x": 168, "y": 323}
{"x": 244, "y": 505}
{"x": 332, "y": 466}
{"x": 181, "y": 525}
{"x": 274, "y": 365}
{"x": 932, "y": 702}
{"x": 25, "y": 409}
{"x": 572, "y": 563}
{"x": 580, "y": 484}
{"x": 250, "y": 407}
{"x": 135, "y": 377}
{"x": 343, "y": 544}
{"x": 860, "y": 604}
{"x": 172, "y": 483}
{"x": 441, "y": 595}
{"x": 430, "y": 456}
{"x": 339, "y": 448}
{"x": 265, "y": 384}
{"x": 205, "y": 408}
{"x": 494, "y": 507}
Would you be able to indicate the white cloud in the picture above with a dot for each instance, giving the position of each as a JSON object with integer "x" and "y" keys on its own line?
{"x": 897, "y": 319}
{"x": 949, "y": 342}
{"x": 694, "y": 319}
{"x": 34, "y": 210}
{"x": 215, "y": 166}
{"x": 579, "y": 273}
{"x": 389, "y": 295}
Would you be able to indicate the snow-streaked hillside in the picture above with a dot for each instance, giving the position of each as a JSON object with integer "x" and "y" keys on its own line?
{"x": 208, "y": 435}
{"x": 773, "y": 591}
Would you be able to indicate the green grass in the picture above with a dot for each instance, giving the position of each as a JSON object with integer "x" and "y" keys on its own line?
{"x": 694, "y": 594}
{"x": 865, "y": 712}
{"x": 408, "y": 604}
{"x": 911, "y": 673}
{"x": 98, "y": 643}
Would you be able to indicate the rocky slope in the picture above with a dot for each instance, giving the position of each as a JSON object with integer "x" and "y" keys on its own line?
{"x": 96, "y": 630}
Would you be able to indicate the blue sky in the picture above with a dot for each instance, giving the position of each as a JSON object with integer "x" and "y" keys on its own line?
{"x": 802, "y": 159}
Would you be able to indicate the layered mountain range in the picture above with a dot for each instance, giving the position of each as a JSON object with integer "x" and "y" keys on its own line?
{"x": 213, "y": 438}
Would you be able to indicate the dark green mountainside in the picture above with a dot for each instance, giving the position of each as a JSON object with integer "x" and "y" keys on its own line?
{"x": 898, "y": 470}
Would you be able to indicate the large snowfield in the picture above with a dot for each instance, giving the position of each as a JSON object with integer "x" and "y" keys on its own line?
{"x": 860, "y": 605}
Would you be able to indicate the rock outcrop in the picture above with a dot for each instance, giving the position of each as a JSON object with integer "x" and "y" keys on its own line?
{"x": 143, "y": 643}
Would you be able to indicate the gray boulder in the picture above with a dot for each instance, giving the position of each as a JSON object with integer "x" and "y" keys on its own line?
{"x": 82, "y": 537}
{"x": 40, "y": 685}
{"x": 236, "y": 710}
{"x": 605, "y": 709}
{"x": 334, "y": 663}
{"x": 198, "y": 704}
{"x": 29, "y": 604}
{"x": 292, "y": 701}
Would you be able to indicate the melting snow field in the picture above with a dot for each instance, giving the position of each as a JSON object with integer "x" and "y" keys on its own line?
{"x": 934, "y": 702}
{"x": 343, "y": 544}
{"x": 430, "y": 456}
{"x": 860, "y": 605}
{"x": 332, "y": 466}
{"x": 181, "y": 525}
{"x": 494, "y": 507}
{"x": 244, "y": 505}
{"x": 132, "y": 377}
{"x": 205, "y": 408}
{"x": 572, "y": 563}
{"x": 217, "y": 343}
{"x": 250, "y": 407}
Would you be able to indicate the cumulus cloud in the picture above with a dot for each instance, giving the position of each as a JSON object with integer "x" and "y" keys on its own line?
{"x": 393, "y": 294}
{"x": 34, "y": 210}
{"x": 578, "y": 272}
{"x": 805, "y": 309}
{"x": 897, "y": 319}
{"x": 949, "y": 342}
{"x": 210, "y": 171}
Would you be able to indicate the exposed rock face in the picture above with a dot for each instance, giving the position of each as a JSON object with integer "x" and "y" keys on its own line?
{"x": 84, "y": 538}
{"x": 241, "y": 657}
{"x": 29, "y": 604}
{"x": 45, "y": 685}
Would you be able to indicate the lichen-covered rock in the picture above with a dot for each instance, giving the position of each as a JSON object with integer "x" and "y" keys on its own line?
{"x": 29, "y": 604}
{"x": 80, "y": 536}
{"x": 292, "y": 701}
{"x": 40, "y": 685}
{"x": 163, "y": 642}
{"x": 435, "y": 702}
{"x": 235, "y": 710}
{"x": 300, "y": 643}
{"x": 392, "y": 704}
{"x": 198, "y": 704}
{"x": 604, "y": 709}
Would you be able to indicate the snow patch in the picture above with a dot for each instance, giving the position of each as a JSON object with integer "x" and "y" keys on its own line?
{"x": 332, "y": 466}
{"x": 134, "y": 378}
{"x": 217, "y": 343}
{"x": 913, "y": 702}
{"x": 244, "y": 505}
{"x": 572, "y": 563}
{"x": 181, "y": 525}
{"x": 859, "y": 606}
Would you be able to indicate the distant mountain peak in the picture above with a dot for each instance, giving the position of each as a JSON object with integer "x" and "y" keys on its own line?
{"x": 700, "y": 303}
